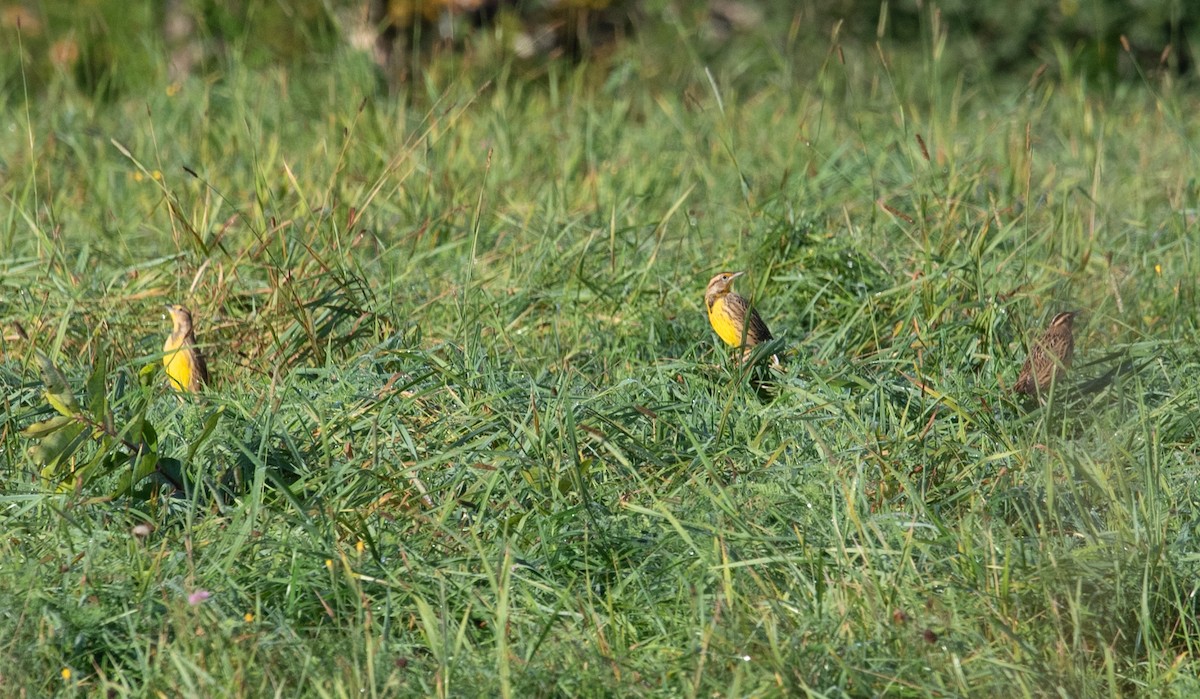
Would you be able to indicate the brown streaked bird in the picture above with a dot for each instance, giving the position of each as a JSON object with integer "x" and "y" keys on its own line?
{"x": 730, "y": 314}
{"x": 182, "y": 358}
{"x": 1049, "y": 357}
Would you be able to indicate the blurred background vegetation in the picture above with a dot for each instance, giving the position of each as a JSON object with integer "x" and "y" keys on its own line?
{"x": 107, "y": 47}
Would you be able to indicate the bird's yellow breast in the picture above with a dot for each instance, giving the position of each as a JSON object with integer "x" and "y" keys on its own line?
{"x": 723, "y": 322}
{"x": 178, "y": 363}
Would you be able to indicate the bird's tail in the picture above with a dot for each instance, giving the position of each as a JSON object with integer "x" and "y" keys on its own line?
{"x": 761, "y": 352}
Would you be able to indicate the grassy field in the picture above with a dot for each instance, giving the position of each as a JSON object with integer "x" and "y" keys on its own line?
{"x": 471, "y": 435}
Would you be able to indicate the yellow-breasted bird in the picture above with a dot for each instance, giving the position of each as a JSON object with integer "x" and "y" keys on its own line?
{"x": 184, "y": 362}
{"x": 1049, "y": 357}
{"x": 731, "y": 316}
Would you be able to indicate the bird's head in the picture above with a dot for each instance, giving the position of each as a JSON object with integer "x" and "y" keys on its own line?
{"x": 721, "y": 284}
{"x": 181, "y": 318}
{"x": 1064, "y": 320}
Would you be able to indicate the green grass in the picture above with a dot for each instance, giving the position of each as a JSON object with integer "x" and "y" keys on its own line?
{"x": 471, "y": 434}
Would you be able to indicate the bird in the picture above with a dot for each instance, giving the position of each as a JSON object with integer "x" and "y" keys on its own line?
{"x": 728, "y": 312}
{"x": 183, "y": 360}
{"x": 1049, "y": 357}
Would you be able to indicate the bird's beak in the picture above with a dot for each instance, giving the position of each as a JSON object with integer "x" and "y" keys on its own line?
{"x": 735, "y": 275}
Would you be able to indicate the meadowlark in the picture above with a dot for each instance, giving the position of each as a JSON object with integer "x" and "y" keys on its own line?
{"x": 1049, "y": 357}
{"x": 727, "y": 312}
{"x": 186, "y": 368}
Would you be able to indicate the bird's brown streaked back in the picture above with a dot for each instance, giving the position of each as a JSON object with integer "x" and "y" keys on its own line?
{"x": 1049, "y": 356}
